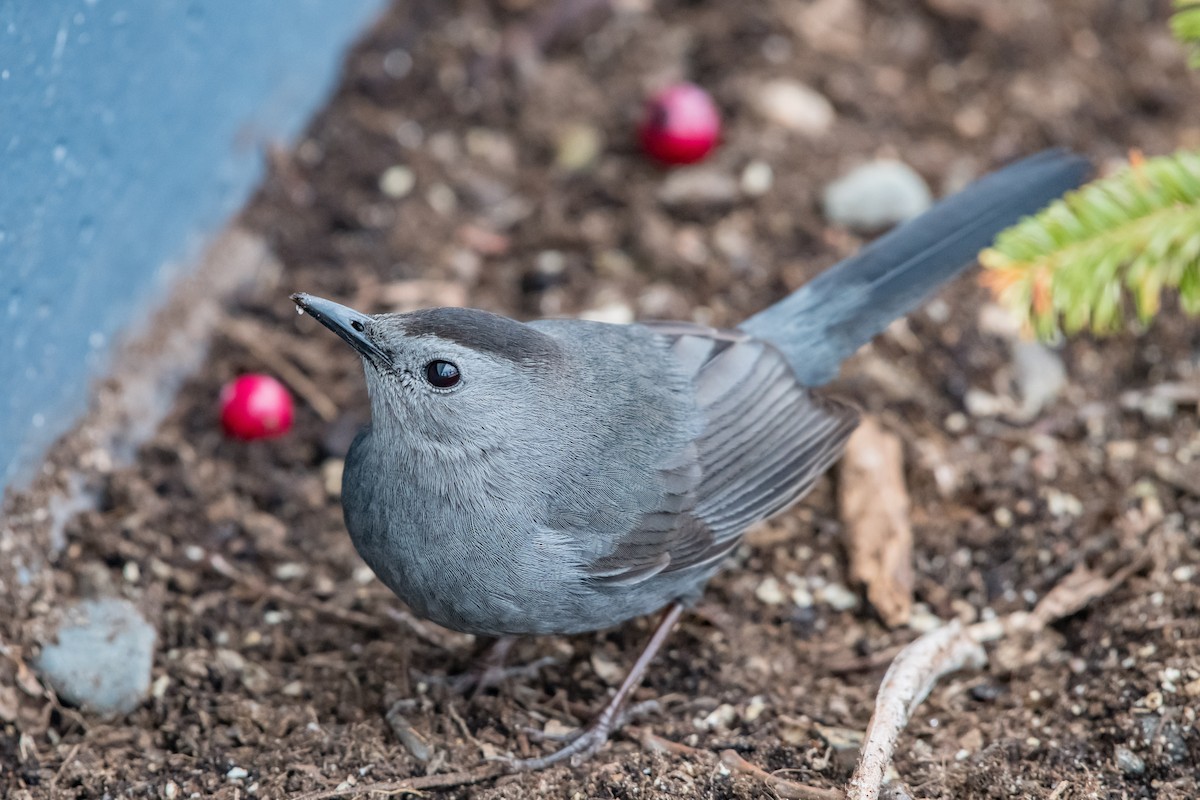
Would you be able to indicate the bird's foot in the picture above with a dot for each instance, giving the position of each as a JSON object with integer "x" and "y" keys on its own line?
{"x": 580, "y": 743}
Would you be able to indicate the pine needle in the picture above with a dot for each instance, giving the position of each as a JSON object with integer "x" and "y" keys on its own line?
{"x": 1103, "y": 252}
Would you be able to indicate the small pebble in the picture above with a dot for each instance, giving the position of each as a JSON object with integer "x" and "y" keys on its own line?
{"x": 922, "y": 620}
{"x": 615, "y": 313}
{"x": 757, "y": 179}
{"x": 578, "y": 147}
{"x": 838, "y": 597}
{"x": 1040, "y": 376}
{"x": 794, "y": 106}
{"x": 876, "y": 196}
{"x": 236, "y": 774}
{"x": 697, "y": 186}
{"x": 719, "y": 719}
{"x": 331, "y": 476}
{"x": 397, "y": 182}
{"x": 984, "y": 404}
{"x": 100, "y": 657}
{"x": 754, "y": 708}
{"x": 769, "y": 592}
{"x": 1129, "y": 762}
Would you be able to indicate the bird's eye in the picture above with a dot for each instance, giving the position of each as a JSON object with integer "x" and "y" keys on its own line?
{"x": 442, "y": 374}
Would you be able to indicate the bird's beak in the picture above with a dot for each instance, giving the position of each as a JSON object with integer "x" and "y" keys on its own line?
{"x": 347, "y": 323}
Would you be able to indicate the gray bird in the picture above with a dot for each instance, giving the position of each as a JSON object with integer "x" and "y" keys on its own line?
{"x": 562, "y": 476}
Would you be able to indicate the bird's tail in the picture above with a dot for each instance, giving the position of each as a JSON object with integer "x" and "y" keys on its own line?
{"x": 826, "y": 320}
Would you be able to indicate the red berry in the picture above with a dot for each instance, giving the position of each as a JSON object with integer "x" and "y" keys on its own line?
{"x": 255, "y": 407}
{"x": 680, "y": 124}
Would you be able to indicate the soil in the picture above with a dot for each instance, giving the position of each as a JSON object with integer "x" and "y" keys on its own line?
{"x": 279, "y": 654}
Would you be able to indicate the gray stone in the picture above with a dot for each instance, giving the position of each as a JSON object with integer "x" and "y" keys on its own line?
{"x": 794, "y": 106}
{"x": 1040, "y": 376}
{"x": 875, "y": 196}
{"x": 101, "y": 656}
{"x": 698, "y": 187}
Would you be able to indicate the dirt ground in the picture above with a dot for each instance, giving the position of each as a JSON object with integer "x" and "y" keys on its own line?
{"x": 278, "y": 652}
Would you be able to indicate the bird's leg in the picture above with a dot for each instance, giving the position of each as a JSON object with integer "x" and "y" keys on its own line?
{"x": 593, "y": 737}
{"x": 489, "y": 670}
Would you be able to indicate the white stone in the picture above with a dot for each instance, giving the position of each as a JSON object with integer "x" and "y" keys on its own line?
{"x": 875, "y": 196}
{"x": 794, "y": 106}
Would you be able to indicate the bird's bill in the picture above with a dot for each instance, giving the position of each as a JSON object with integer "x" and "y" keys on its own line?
{"x": 347, "y": 323}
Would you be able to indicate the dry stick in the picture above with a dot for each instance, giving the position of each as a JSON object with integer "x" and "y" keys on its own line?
{"x": 790, "y": 790}
{"x": 918, "y": 667}
{"x": 415, "y": 785}
{"x": 250, "y": 336}
{"x": 258, "y": 586}
{"x": 907, "y": 682}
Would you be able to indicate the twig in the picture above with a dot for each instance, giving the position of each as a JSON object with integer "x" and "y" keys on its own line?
{"x": 250, "y": 336}
{"x": 257, "y": 585}
{"x": 790, "y": 790}
{"x": 657, "y": 744}
{"x": 907, "y": 682}
{"x": 63, "y": 766}
{"x": 919, "y": 665}
{"x": 415, "y": 785}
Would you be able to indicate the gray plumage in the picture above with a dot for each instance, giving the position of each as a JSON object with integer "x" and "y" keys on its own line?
{"x": 579, "y": 474}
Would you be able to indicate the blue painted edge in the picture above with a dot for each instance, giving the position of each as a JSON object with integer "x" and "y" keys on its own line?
{"x": 129, "y": 133}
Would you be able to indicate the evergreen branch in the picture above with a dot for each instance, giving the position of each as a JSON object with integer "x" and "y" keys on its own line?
{"x": 1185, "y": 25}
{"x": 1132, "y": 236}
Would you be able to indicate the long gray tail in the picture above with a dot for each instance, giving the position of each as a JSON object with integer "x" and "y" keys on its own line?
{"x": 826, "y": 320}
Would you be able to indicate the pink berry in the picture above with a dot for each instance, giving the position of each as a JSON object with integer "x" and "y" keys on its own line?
{"x": 680, "y": 124}
{"x": 255, "y": 407}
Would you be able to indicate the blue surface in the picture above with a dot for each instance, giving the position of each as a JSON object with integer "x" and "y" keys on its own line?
{"x": 129, "y": 132}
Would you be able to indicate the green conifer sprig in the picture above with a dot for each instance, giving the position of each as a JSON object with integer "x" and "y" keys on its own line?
{"x": 1185, "y": 24}
{"x": 1131, "y": 235}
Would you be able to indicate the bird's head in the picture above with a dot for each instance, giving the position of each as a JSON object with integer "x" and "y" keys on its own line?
{"x": 447, "y": 375}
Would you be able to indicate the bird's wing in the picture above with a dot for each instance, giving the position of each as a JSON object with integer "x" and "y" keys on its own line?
{"x": 764, "y": 442}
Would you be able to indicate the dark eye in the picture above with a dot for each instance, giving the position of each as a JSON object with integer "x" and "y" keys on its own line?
{"x": 442, "y": 374}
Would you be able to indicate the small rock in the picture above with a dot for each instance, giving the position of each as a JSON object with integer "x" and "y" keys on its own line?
{"x": 101, "y": 657}
{"x": 755, "y": 708}
{"x": 922, "y": 620}
{"x": 719, "y": 719}
{"x": 697, "y": 186}
{"x": 769, "y": 592}
{"x": 237, "y": 774}
{"x": 578, "y": 147}
{"x": 875, "y": 196}
{"x": 331, "y": 476}
{"x": 607, "y": 670}
{"x": 1121, "y": 450}
{"x": 984, "y": 404}
{"x": 838, "y": 597}
{"x": 397, "y": 181}
{"x": 794, "y": 106}
{"x": 757, "y": 179}
{"x": 1040, "y": 375}
{"x": 615, "y": 313}
{"x": 1129, "y": 762}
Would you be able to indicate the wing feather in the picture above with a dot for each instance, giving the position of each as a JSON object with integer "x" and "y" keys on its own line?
{"x": 764, "y": 442}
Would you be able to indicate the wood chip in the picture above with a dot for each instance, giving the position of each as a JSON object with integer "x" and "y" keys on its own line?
{"x": 874, "y": 506}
